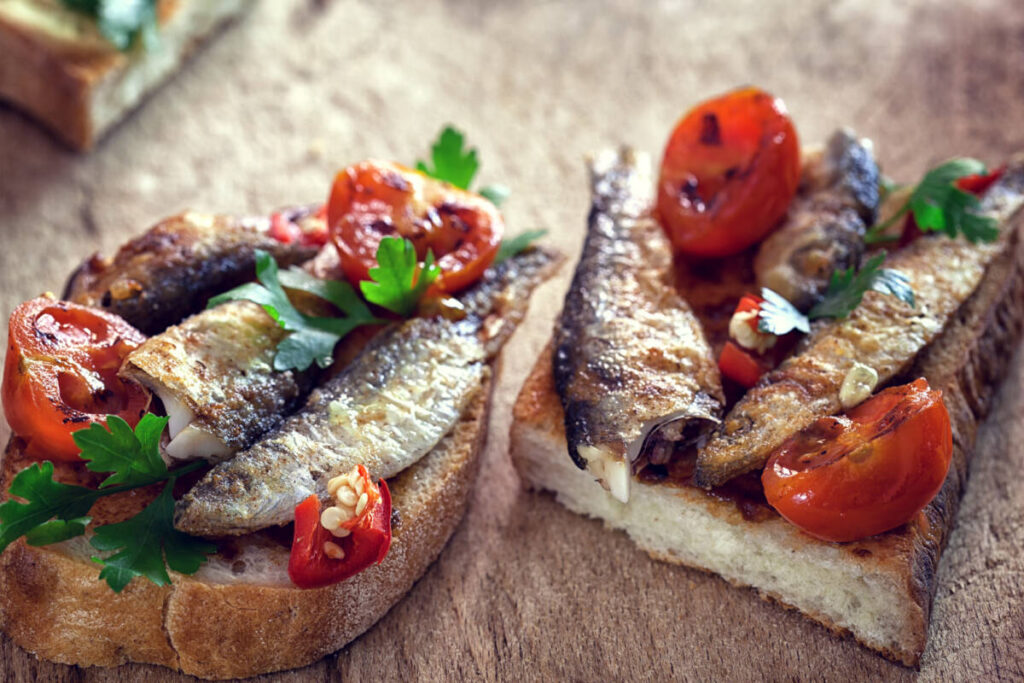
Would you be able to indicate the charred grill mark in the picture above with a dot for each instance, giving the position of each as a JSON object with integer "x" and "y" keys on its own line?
{"x": 710, "y": 133}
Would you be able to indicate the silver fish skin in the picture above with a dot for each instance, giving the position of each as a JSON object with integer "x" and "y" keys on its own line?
{"x": 215, "y": 375}
{"x": 632, "y": 366}
{"x": 882, "y": 333}
{"x": 824, "y": 229}
{"x": 385, "y": 410}
{"x": 172, "y": 270}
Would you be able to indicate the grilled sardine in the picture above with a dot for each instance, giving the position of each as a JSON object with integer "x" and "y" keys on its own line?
{"x": 385, "y": 410}
{"x": 882, "y": 333}
{"x": 214, "y": 374}
{"x": 824, "y": 229}
{"x": 632, "y": 366}
{"x": 170, "y": 272}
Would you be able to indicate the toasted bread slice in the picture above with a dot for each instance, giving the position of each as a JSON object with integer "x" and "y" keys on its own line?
{"x": 79, "y": 90}
{"x": 239, "y": 615}
{"x": 879, "y": 589}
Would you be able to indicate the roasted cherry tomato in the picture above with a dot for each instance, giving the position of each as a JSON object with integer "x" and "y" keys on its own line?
{"x": 375, "y": 199}
{"x": 340, "y": 541}
{"x": 849, "y": 477}
{"x": 61, "y": 374}
{"x": 730, "y": 170}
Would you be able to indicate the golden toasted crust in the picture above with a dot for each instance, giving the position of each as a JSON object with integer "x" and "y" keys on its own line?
{"x": 53, "y": 605}
{"x": 966, "y": 362}
{"x": 76, "y": 93}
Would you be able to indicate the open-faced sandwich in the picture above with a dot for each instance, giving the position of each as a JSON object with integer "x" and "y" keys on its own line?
{"x": 237, "y": 443}
{"x": 772, "y": 363}
{"x": 79, "y": 66}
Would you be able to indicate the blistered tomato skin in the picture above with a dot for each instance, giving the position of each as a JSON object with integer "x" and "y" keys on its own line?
{"x": 60, "y": 374}
{"x": 849, "y": 477}
{"x": 375, "y": 199}
{"x": 730, "y": 170}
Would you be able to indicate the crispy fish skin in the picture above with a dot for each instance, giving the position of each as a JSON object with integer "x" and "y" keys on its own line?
{"x": 385, "y": 410}
{"x": 825, "y": 227}
{"x": 215, "y": 374}
{"x": 631, "y": 361}
{"x": 170, "y": 272}
{"x": 883, "y": 333}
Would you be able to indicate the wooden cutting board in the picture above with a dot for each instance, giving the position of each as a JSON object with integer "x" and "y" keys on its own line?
{"x": 525, "y": 589}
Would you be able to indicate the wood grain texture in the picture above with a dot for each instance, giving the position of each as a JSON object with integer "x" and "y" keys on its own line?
{"x": 525, "y": 589}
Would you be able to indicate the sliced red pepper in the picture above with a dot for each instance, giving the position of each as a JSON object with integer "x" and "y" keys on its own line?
{"x": 309, "y": 565}
{"x": 740, "y": 366}
{"x": 978, "y": 183}
{"x": 750, "y": 303}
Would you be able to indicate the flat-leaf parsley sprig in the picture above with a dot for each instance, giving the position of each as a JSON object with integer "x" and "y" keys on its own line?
{"x": 845, "y": 291}
{"x": 453, "y": 162}
{"x": 938, "y": 205}
{"x": 312, "y": 338}
{"x": 147, "y": 543}
{"x": 397, "y": 282}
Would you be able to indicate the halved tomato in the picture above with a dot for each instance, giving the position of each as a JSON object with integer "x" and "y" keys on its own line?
{"x": 376, "y": 199}
{"x": 730, "y": 170}
{"x": 854, "y": 476}
{"x": 60, "y": 374}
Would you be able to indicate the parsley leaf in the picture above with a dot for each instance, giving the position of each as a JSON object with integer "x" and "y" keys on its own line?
{"x": 452, "y": 163}
{"x": 521, "y": 242}
{"x": 313, "y": 338}
{"x": 133, "y": 458}
{"x": 939, "y": 205}
{"x": 845, "y": 291}
{"x": 397, "y": 281}
{"x": 47, "y": 499}
{"x": 144, "y": 541}
{"x": 54, "y": 512}
{"x": 496, "y": 194}
{"x": 121, "y": 21}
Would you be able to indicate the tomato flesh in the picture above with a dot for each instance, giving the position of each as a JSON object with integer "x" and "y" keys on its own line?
{"x": 374, "y": 199}
{"x": 856, "y": 475}
{"x": 730, "y": 170}
{"x": 60, "y": 374}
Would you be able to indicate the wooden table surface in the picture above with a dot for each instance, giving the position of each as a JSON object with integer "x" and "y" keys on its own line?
{"x": 526, "y": 590}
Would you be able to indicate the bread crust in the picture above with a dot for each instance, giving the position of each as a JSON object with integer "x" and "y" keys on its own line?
{"x": 68, "y": 91}
{"x": 53, "y": 605}
{"x": 966, "y": 362}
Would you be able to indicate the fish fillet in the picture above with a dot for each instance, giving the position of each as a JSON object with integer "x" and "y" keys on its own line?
{"x": 215, "y": 375}
{"x": 173, "y": 269}
{"x": 632, "y": 366}
{"x": 882, "y": 333}
{"x": 385, "y": 410}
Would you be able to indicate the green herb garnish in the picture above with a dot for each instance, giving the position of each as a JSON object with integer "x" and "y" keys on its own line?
{"x": 517, "y": 244}
{"x": 845, "y": 291}
{"x": 454, "y": 163}
{"x": 398, "y": 283}
{"x": 122, "y": 22}
{"x": 312, "y": 338}
{"x": 148, "y": 542}
{"x": 939, "y": 205}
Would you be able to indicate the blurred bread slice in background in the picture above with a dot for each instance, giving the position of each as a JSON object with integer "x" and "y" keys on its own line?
{"x": 59, "y": 66}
